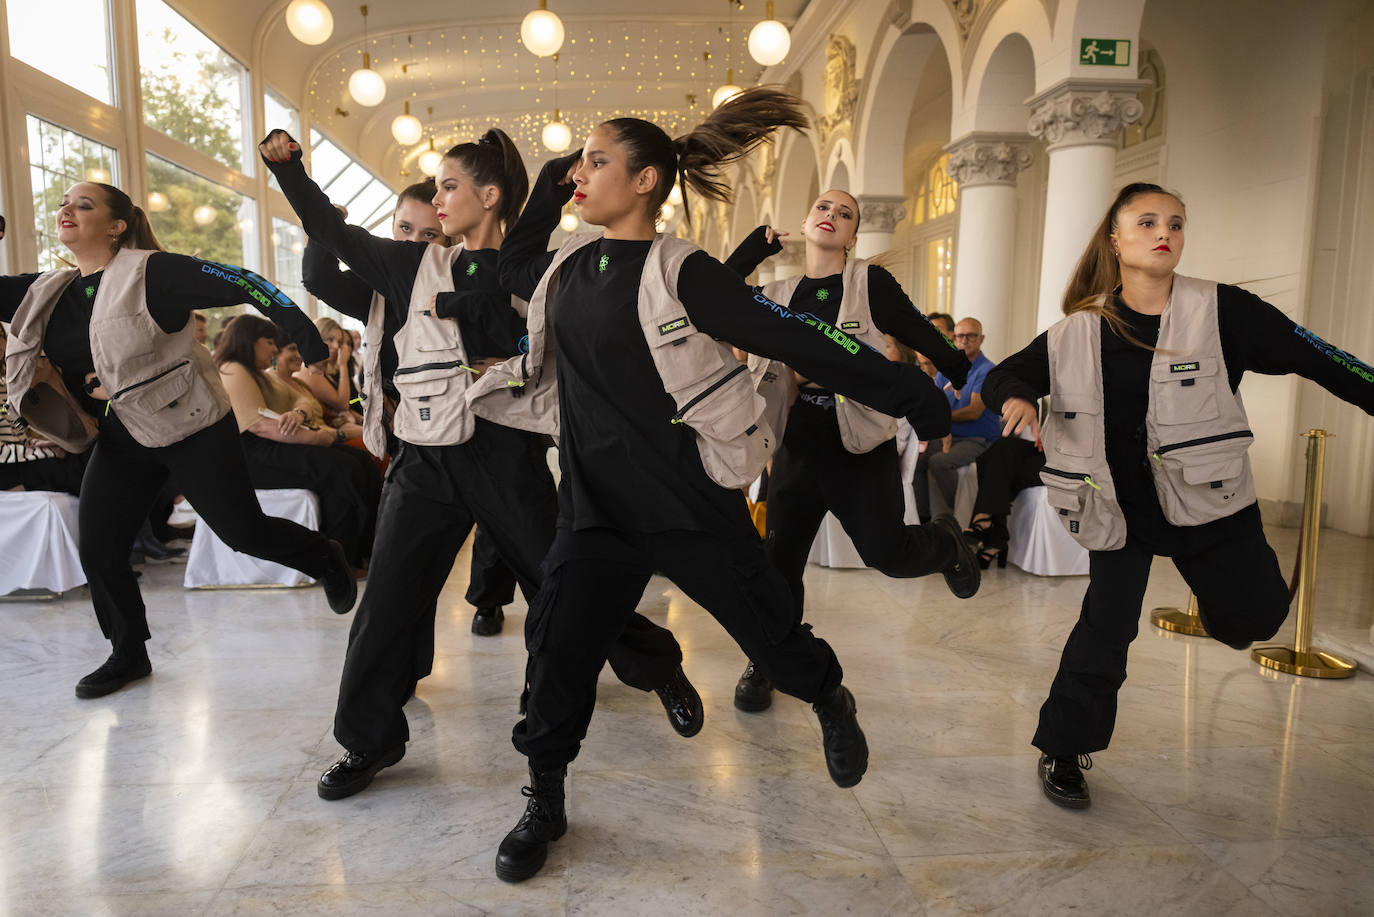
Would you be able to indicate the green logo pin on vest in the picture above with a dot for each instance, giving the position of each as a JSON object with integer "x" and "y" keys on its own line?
{"x": 472, "y": 268}
{"x": 90, "y": 291}
{"x": 603, "y": 263}
{"x": 822, "y": 294}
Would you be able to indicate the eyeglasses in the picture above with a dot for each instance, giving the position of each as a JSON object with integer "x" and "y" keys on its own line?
{"x": 967, "y": 335}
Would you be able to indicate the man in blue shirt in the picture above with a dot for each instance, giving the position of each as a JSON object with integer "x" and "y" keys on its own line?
{"x": 974, "y": 427}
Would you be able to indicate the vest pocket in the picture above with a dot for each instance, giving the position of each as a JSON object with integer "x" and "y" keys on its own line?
{"x": 1074, "y": 423}
{"x": 161, "y": 391}
{"x": 1092, "y": 518}
{"x": 732, "y": 436}
{"x": 1184, "y": 390}
{"x": 428, "y": 333}
{"x": 1201, "y": 480}
{"x": 683, "y": 356}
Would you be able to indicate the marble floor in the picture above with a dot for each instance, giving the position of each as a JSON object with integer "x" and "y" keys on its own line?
{"x": 1228, "y": 790}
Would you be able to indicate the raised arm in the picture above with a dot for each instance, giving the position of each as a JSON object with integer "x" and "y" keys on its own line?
{"x": 894, "y": 313}
{"x": 12, "y": 292}
{"x": 178, "y": 284}
{"x": 344, "y": 291}
{"x": 383, "y": 264}
{"x": 723, "y": 306}
{"x": 1014, "y": 386}
{"x": 524, "y": 253}
{"x": 756, "y": 248}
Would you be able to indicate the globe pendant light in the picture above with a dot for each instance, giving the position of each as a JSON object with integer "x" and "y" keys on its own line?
{"x": 675, "y": 196}
{"x": 204, "y": 215}
{"x": 557, "y": 136}
{"x": 726, "y": 92}
{"x": 309, "y": 21}
{"x": 542, "y": 31}
{"x": 769, "y": 40}
{"x": 366, "y": 86}
{"x": 569, "y": 222}
{"x": 430, "y": 159}
{"x": 406, "y": 128}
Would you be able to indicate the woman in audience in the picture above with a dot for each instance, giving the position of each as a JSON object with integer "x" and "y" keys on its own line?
{"x": 331, "y": 380}
{"x": 117, "y": 330}
{"x": 285, "y": 450}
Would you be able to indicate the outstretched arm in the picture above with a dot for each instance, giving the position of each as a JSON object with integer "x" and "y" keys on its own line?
{"x": 343, "y": 291}
{"x": 524, "y": 253}
{"x": 1014, "y": 386}
{"x": 757, "y": 247}
{"x": 894, "y": 313}
{"x": 12, "y": 292}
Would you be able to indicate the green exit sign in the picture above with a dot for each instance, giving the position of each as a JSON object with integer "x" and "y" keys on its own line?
{"x": 1104, "y": 52}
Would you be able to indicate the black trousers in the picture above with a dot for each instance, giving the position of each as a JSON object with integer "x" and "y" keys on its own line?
{"x": 345, "y": 480}
{"x": 594, "y": 580}
{"x": 499, "y": 480}
{"x": 122, "y": 480}
{"x": 1008, "y": 467}
{"x": 813, "y": 473}
{"x": 1242, "y": 596}
{"x": 491, "y": 582}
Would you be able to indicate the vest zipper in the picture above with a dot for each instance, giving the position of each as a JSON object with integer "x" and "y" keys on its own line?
{"x": 1203, "y": 441}
{"x": 130, "y": 388}
{"x": 425, "y": 367}
{"x": 1073, "y": 476}
{"x": 677, "y": 418}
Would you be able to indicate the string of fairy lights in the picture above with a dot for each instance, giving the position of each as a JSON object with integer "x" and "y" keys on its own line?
{"x": 567, "y": 74}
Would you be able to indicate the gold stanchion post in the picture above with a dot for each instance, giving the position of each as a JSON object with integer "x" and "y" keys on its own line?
{"x": 1180, "y": 620}
{"x": 1301, "y": 658}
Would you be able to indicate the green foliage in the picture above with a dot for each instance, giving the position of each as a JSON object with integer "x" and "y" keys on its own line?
{"x": 201, "y": 112}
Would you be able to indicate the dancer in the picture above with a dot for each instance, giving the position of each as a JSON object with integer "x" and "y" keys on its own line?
{"x": 117, "y": 329}
{"x": 1146, "y": 445}
{"x": 659, "y": 429}
{"x": 452, "y": 468}
{"x": 827, "y": 440}
{"x": 491, "y": 584}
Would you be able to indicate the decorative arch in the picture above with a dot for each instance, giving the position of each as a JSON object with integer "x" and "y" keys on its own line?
{"x": 840, "y": 168}
{"x": 1005, "y": 79}
{"x": 744, "y": 215}
{"x": 797, "y": 174}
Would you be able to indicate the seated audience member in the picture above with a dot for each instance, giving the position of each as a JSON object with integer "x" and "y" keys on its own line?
{"x": 1009, "y": 466}
{"x": 974, "y": 427}
{"x": 285, "y": 451}
{"x": 29, "y": 462}
{"x": 945, "y": 323}
{"x": 202, "y": 329}
{"x": 331, "y": 380}
{"x": 284, "y": 369}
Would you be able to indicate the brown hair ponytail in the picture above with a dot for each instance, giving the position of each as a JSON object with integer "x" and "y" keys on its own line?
{"x": 495, "y": 160}
{"x": 138, "y": 232}
{"x": 1098, "y": 275}
{"x": 728, "y": 134}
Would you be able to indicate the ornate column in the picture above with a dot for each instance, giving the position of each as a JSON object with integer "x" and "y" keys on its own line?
{"x": 986, "y": 165}
{"x": 879, "y": 215}
{"x": 791, "y": 260}
{"x": 1081, "y": 120}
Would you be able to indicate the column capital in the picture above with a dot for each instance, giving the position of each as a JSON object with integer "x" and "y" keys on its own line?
{"x": 880, "y": 212}
{"x": 1078, "y": 112}
{"x": 987, "y": 158}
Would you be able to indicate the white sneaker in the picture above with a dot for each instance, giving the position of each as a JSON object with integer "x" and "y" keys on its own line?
{"x": 183, "y": 515}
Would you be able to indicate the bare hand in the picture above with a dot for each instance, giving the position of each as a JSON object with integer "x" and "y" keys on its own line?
{"x": 946, "y": 443}
{"x": 278, "y": 147}
{"x": 1016, "y": 414}
{"x": 289, "y": 423}
{"x": 770, "y": 234}
{"x": 345, "y": 353}
{"x": 575, "y": 161}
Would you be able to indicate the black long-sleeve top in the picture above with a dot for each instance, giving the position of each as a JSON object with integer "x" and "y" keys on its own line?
{"x": 346, "y": 292}
{"x": 488, "y": 324}
{"x": 893, "y": 311}
{"x": 1255, "y": 336}
{"x": 174, "y": 286}
{"x": 625, "y": 465}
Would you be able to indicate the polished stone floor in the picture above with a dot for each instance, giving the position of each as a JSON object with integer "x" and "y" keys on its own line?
{"x": 1227, "y": 790}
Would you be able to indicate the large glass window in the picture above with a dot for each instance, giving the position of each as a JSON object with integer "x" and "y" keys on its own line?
{"x": 59, "y": 158}
{"x": 288, "y": 245}
{"x": 71, "y": 44}
{"x": 278, "y": 114}
{"x": 192, "y": 90}
{"x": 370, "y": 201}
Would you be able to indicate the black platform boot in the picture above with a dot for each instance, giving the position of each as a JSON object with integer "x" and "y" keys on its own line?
{"x": 753, "y": 691}
{"x": 340, "y": 586}
{"x": 488, "y": 621}
{"x": 846, "y": 749}
{"x": 682, "y": 704}
{"x": 1062, "y": 780}
{"x": 523, "y": 851}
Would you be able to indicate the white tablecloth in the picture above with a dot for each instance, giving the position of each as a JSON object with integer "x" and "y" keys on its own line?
{"x": 1039, "y": 542}
{"x": 38, "y": 542}
{"x": 212, "y": 563}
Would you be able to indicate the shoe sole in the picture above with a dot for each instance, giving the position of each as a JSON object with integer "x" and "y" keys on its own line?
{"x": 754, "y": 706}
{"x": 485, "y": 630}
{"x": 93, "y": 691}
{"x": 966, "y": 557}
{"x": 333, "y": 794}
{"x": 1062, "y": 801}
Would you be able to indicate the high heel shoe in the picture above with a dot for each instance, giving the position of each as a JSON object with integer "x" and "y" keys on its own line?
{"x": 989, "y": 538}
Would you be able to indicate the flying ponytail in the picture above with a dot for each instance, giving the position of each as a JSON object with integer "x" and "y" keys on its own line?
{"x": 731, "y": 132}
{"x": 138, "y": 232}
{"x": 495, "y": 160}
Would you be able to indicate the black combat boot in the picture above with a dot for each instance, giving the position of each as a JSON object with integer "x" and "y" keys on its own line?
{"x": 524, "y": 849}
{"x": 846, "y": 749}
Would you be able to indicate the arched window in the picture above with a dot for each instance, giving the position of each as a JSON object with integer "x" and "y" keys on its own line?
{"x": 932, "y": 210}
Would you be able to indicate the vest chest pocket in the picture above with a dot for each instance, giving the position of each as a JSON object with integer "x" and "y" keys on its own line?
{"x": 1074, "y": 422}
{"x": 732, "y": 436}
{"x": 130, "y": 340}
{"x": 428, "y": 333}
{"x": 1205, "y": 479}
{"x": 1091, "y": 518}
{"x": 1184, "y": 390}
{"x": 684, "y": 357}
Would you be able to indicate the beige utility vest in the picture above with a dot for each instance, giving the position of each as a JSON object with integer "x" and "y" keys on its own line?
{"x": 374, "y": 423}
{"x": 712, "y": 390}
{"x": 1197, "y": 433}
{"x": 161, "y": 386}
{"x": 862, "y": 429}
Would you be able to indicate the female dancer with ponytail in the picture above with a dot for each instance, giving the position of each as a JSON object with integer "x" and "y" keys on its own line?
{"x": 491, "y": 583}
{"x": 659, "y": 428}
{"x": 118, "y": 330}
{"x": 452, "y": 468}
{"x": 828, "y": 440}
{"x": 1146, "y": 449}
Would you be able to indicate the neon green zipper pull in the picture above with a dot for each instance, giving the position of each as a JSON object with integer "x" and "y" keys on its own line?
{"x": 1155, "y": 456}
{"x": 516, "y": 384}
{"x": 107, "y": 409}
{"x": 1088, "y": 479}
{"x": 475, "y": 372}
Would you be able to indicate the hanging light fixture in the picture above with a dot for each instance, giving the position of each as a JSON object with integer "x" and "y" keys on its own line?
{"x": 556, "y": 135}
{"x": 569, "y": 222}
{"x": 429, "y": 160}
{"x": 769, "y": 40}
{"x": 406, "y": 128}
{"x": 157, "y": 202}
{"x": 667, "y": 211}
{"x": 728, "y": 90}
{"x": 366, "y": 85}
{"x": 675, "y": 195}
{"x": 204, "y": 215}
{"x": 542, "y": 31}
{"x": 309, "y": 21}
